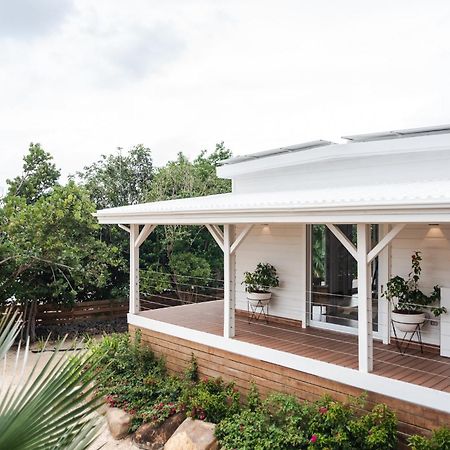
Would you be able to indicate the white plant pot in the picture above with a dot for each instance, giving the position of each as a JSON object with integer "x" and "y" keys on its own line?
{"x": 408, "y": 322}
{"x": 261, "y": 298}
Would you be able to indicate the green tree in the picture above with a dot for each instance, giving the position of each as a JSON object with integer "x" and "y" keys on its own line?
{"x": 39, "y": 175}
{"x": 119, "y": 180}
{"x": 178, "y": 249}
{"x": 50, "y": 249}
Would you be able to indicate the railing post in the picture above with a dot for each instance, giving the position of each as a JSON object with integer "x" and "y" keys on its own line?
{"x": 229, "y": 275}
{"x": 134, "y": 270}
{"x": 365, "y": 330}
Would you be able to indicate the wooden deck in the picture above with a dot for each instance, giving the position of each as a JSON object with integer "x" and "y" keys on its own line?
{"x": 427, "y": 369}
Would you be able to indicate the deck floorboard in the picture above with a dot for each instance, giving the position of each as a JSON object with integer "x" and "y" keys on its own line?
{"x": 427, "y": 369}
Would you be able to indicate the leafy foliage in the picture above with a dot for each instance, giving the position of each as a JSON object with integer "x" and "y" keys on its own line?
{"x": 118, "y": 180}
{"x": 262, "y": 279}
{"x": 132, "y": 378}
{"x": 282, "y": 422}
{"x": 439, "y": 440}
{"x": 50, "y": 250}
{"x": 39, "y": 175}
{"x": 410, "y": 299}
{"x": 211, "y": 399}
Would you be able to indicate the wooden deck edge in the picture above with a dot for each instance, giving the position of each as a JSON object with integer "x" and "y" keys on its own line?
{"x": 270, "y": 377}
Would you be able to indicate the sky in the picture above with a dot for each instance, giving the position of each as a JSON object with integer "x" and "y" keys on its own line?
{"x": 85, "y": 77}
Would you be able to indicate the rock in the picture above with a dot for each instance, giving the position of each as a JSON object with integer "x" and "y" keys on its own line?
{"x": 153, "y": 437}
{"x": 193, "y": 435}
{"x": 119, "y": 422}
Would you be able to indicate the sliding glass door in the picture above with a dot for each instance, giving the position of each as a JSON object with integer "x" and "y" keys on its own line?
{"x": 333, "y": 296}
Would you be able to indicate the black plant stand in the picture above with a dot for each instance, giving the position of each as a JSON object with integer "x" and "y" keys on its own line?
{"x": 403, "y": 343}
{"x": 258, "y": 310}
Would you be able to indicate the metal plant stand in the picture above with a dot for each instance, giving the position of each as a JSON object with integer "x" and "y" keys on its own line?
{"x": 403, "y": 343}
{"x": 257, "y": 311}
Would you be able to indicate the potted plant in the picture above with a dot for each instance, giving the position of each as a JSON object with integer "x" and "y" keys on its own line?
{"x": 409, "y": 300}
{"x": 259, "y": 283}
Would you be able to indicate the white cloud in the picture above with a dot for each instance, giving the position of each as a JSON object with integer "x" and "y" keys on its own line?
{"x": 182, "y": 75}
{"x": 29, "y": 19}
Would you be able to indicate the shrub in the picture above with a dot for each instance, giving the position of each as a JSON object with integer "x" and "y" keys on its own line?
{"x": 440, "y": 440}
{"x": 133, "y": 379}
{"x": 211, "y": 400}
{"x": 282, "y": 422}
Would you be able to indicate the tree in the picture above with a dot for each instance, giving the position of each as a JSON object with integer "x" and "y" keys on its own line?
{"x": 119, "y": 180}
{"x": 39, "y": 175}
{"x": 50, "y": 250}
{"x": 179, "y": 248}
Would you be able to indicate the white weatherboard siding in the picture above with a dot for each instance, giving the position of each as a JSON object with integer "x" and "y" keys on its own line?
{"x": 434, "y": 243}
{"x": 283, "y": 246}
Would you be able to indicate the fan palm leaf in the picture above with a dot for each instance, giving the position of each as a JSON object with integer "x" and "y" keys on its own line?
{"x": 52, "y": 407}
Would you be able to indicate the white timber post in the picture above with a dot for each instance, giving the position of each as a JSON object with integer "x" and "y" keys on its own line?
{"x": 384, "y": 310}
{"x": 229, "y": 275}
{"x": 134, "y": 270}
{"x": 365, "y": 328}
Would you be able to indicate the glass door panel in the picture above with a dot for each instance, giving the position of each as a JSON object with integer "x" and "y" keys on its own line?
{"x": 334, "y": 283}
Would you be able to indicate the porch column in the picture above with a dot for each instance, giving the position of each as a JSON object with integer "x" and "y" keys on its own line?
{"x": 365, "y": 328}
{"x": 229, "y": 275}
{"x": 134, "y": 270}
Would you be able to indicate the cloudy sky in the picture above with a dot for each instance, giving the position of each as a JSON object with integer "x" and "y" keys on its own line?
{"x": 84, "y": 77}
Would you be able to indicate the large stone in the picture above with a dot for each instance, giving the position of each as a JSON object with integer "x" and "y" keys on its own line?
{"x": 119, "y": 422}
{"x": 193, "y": 435}
{"x": 153, "y": 437}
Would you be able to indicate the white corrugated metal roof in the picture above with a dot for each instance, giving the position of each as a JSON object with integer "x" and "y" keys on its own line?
{"x": 394, "y": 197}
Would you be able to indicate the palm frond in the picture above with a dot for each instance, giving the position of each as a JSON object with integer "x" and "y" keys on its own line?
{"x": 52, "y": 407}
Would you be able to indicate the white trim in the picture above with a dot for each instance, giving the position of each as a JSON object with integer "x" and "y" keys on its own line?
{"x": 123, "y": 227}
{"x": 238, "y": 241}
{"x": 144, "y": 234}
{"x": 134, "y": 270}
{"x": 385, "y": 241}
{"x": 216, "y": 233}
{"x": 400, "y": 390}
{"x": 336, "y": 215}
{"x": 365, "y": 326}
{"x": 343, "y": 239}
{"x": 384, "y": 311}
{"x": 229, "y": 277}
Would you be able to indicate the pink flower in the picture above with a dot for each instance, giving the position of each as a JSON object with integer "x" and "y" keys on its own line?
{"x": 323, "y": 410}
{"x": 313, "y": 438}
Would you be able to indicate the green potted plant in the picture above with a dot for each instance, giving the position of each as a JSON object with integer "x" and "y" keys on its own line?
{"x": 408, "y": 300}
{"x": 259, "y": 283}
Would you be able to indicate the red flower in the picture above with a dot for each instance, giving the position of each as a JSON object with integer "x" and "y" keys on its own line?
{"x": 323, "y": 410}
{"x": 313, "y": 438}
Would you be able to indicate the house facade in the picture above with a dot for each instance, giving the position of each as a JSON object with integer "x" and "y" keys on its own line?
{"x": 337, "y": 221}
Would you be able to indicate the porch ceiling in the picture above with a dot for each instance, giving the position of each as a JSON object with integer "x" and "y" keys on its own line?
{"x": 422, "y": 202}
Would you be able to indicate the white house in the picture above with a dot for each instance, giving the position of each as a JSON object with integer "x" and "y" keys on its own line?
{"x": 337, "y": 221}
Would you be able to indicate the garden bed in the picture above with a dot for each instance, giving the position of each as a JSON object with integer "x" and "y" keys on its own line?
{"x": 133, "y": 379}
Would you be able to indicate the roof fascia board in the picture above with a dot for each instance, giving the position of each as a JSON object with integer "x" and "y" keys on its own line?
{"x": 336, "y": 216}
{"x": 333, "y": 152}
